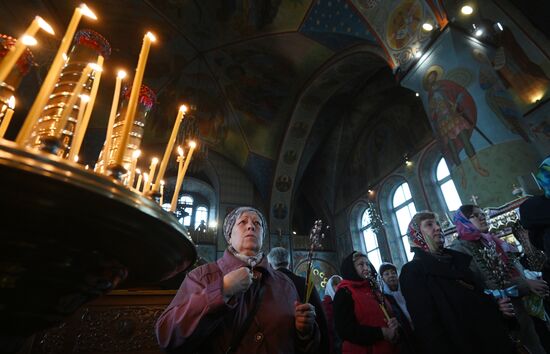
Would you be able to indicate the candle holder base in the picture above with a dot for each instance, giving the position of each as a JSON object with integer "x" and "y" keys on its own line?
{"x": 50, "y": 144}
{"x": 117, "y": 172}
{"x": 70, "y": 235}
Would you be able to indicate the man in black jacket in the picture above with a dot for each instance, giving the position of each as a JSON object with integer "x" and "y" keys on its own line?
{"x": 279, "y": 259}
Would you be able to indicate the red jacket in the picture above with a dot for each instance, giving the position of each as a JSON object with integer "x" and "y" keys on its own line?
{"x": 368, "y": 313}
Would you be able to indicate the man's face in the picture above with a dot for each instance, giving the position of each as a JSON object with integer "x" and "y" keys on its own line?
{"x": 390, "y": 278}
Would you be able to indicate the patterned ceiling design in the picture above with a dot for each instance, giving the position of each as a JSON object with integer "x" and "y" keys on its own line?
{"x": 241, "y": 65}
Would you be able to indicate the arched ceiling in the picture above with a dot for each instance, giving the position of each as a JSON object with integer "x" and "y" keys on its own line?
{"x": 243, "y": 65}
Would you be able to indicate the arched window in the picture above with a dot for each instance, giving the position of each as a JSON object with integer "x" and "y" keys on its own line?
{"x": 186, "y": 201}
{"x": 371, "y": 242}
{"x": 404, "y": 210}
{"x": 447, "y": 186}
{"x": 201, "y": 214}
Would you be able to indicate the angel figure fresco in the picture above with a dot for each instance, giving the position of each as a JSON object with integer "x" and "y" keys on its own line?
{"x": 453, "y": 115}
{"x": 497, "y": 97}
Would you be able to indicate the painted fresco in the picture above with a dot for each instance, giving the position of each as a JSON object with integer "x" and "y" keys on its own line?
{"x": 523, "y": 68}
{"x": 467, "y": 103}
{"x": 211, "y": 23}
{"x": 336, "y": 25}
{"x": 453, "y": 115}
{"x": 398, "y": 26}
{"x": 257, "y": 80}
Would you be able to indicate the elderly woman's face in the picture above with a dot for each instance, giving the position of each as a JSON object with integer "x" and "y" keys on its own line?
{"x": 362, "y": 267}
{"x": 430, "y": 228}
{"x": 247, "y": 233}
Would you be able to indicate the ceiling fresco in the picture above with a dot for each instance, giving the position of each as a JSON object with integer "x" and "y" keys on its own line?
{"x": 242, "y": 66}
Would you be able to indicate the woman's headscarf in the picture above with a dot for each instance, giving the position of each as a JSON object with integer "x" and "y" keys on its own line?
{"x": 228, "y": 224}
{"x": 468, "y": 231}
{"x": 348, "y": 268}
{"x": 330, "y": 290}
{"x": 543, "y": 176}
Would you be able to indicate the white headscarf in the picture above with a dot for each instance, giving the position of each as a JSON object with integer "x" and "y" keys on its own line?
{"x": 329, "y": 290}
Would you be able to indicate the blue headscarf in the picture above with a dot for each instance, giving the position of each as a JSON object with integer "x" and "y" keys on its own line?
{"x": 543, "y": 176}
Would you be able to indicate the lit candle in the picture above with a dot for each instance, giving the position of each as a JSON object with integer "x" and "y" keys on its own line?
{"x": 134, "y": 96}
{"x": 84, "y": 99}
{"x": 68, "y": 108}
{"x": 84, "y": 119}
{"x": 169, "y": 147}
{"x": 145, "y": 182}
{"x": 75, "y": 159}
{"x": 178, "y": 181}
{"x": 152, "y": 167}
{"x": 114, "y": 106}
{"x": 15, "y": 52}
{"x": 135, "y": 157}
{"x": 7, "y": 116}
{"x": 161, "y": 201}
{"x": 138, "y": 185}
{"x": 192, "y": 145}
{"x": 55, "y": 69}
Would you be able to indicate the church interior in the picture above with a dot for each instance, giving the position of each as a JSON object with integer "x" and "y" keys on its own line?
{"x": 358, "y": 113}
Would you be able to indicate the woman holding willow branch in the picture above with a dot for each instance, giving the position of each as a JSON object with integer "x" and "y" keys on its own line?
{"x": 362, "y": 315}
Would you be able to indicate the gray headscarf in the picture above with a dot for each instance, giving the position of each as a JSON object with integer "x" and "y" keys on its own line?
{"x": 228, "y": 224}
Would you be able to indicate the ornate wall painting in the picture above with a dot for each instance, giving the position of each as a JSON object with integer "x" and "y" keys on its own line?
{"x": 521, "y": 65}
{"x": 336, "y": 25}
{"x": 397, "y": 25}
{"x": 322, "y": 269}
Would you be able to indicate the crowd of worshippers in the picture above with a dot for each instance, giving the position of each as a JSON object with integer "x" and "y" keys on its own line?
{"x": 476, "y": 295}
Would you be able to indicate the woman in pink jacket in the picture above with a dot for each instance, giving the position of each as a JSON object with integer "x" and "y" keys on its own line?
{"x": 238, "y": 304}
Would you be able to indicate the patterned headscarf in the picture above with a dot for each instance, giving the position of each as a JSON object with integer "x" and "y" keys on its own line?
{"x": 228, "y": 224}
{"x": 543, "y": 176}
{"x": 468, "y": 231}
{"x": 416, "y": 239}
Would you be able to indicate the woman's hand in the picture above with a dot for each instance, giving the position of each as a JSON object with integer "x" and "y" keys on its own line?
{"x": 237, "y": 281}
{"x": 506, "y": 307}
{"x": 391, "y": 333}
{"x": 538, "y": 286}
{"x": 304, "y": 318}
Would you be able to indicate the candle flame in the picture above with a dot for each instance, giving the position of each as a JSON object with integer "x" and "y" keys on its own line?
{"x": 29, "y": 40}
{"x": 121, "y": 74}
{"x": 162, "y": 182}
{"x": 65, "y": 57}
{"x": 145, "y": 176}
{"x": 192, "y": 144}
{"x": 138, "y": 171}
{"x": 151, "y": 36}
{"x": 76, "y": 158}
{"x": 183, "y": 108}
{"x": 95, "y": 67}
{"x": 85, "y": 98}
{"x": 11, "y": 102}
{"x": 155, "y": 160}
{"x": 44, "y": 25}
{"x": 180, "y": 151}
{"x": 136, "y": 154}
{"x": 87, "y": 12}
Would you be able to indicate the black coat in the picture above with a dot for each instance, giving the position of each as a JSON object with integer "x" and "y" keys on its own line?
{"x": 535, "y": 217}
{"x": 315, "y": 300}
{"x": 449, "y": 311}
